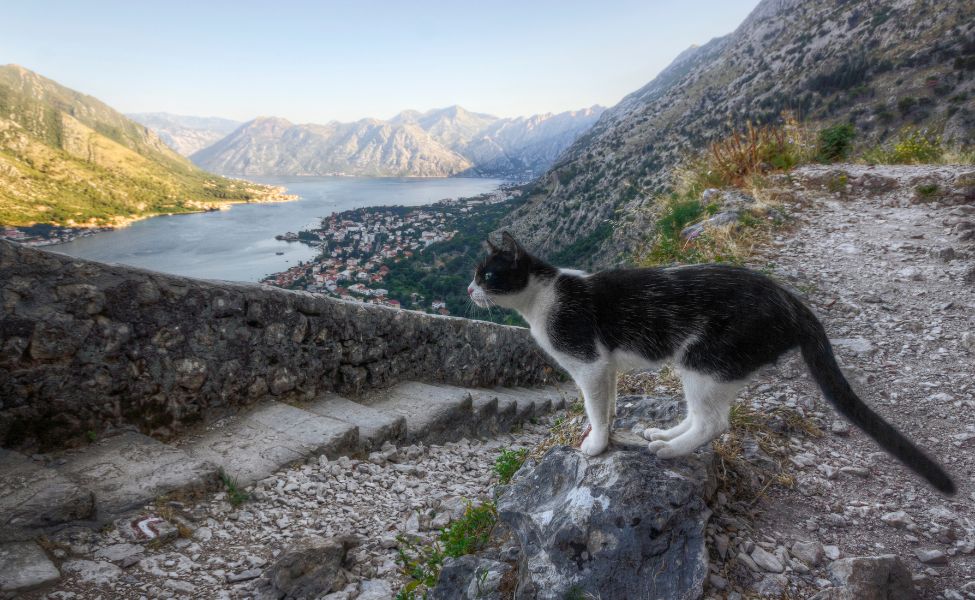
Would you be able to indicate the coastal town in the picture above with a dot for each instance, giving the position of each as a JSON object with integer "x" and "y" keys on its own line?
{"x": 359, "y": 247}
{"x": 47, "y": 235}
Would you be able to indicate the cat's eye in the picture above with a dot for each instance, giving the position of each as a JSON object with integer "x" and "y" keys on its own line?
{"x": 488, "y": 276}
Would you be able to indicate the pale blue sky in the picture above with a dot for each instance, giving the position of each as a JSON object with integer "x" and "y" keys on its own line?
{"x": 317, "y": 61}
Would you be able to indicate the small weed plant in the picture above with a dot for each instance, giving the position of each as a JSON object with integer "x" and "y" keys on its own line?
{"x": 508, "y": 463}
{"x": 422, "y": 563}
{"x": 235, "y": 495}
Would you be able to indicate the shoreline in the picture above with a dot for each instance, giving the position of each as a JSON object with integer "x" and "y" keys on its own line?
{"x": 53, "y": 235}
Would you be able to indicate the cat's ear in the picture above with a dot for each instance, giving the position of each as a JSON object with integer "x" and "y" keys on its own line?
{"x": 489, "y": 245}
{"x": 512, "y": 245}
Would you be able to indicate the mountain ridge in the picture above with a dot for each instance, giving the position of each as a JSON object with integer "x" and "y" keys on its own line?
{"x": 436, "y": 143}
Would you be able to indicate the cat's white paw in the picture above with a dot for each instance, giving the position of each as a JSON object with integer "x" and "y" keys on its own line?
{"x": 654, "y": 433}
{"x": 659, "y": 447}
{"x": 595, "y": 443}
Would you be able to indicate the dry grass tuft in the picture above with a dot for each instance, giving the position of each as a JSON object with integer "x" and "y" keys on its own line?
{"x": 744, "y": 157}
{"x": 752, "y": 455}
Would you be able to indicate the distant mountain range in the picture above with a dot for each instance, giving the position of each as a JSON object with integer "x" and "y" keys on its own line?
{"x": 184, "y": 134}
{"x": 881, "y": 65}
{"x": 437, "y": 143}
{"x": 69, "y": 159}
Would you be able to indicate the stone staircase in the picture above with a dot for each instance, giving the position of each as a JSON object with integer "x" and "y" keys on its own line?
{"x": 123, "y": 473}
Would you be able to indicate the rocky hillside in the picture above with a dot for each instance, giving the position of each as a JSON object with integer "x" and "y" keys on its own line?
{"x": 881, "y": 65}
{"x": 186, "y": 134}
{"x": 437, "y": 143}
{"x": 67, "y": 158}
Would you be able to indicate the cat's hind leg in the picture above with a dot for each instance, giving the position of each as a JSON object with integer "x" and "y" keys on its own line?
{"x": 594, "y": 380}
{"x": 708, "y": 405}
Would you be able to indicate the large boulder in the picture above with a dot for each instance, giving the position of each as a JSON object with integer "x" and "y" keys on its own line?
{"x": 313, "y": 568}
{"x": 622, "y": 525}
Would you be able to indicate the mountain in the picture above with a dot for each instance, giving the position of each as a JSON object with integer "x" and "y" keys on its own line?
{"x": 67, "y": 158}
{"x": 526, "y": 146}
{"x": 369, "y": 147}
{"x": 186, "y": 134}
{"x": 436, "y": 143}
{"x": 454, "y": 126}
{"x": 881, "y": 65}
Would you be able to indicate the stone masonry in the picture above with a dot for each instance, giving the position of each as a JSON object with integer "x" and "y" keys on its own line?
{"x": 85, "y": 346}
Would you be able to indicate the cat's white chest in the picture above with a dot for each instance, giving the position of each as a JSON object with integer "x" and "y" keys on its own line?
{"x": 540, "y": 333}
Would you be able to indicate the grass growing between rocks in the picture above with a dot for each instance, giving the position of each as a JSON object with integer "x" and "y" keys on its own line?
{"x": 235, "y": 495}
{"x": 750, "y": 457}
{"x": 422, "y": 563}
{"x": 748, "y": 162}
{"x": 567, "y": 430}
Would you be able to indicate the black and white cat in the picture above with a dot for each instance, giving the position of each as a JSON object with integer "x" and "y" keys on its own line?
{"x": 717, "y": 324}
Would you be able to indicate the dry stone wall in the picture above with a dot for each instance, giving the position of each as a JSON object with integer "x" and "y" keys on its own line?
{"x": 85, "y": 345}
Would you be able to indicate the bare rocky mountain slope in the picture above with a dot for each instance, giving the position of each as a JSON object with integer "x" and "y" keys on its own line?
{"x": 437, "y": 143}
{"x": 186, "y": 134}
{"x": 879, "y": 64}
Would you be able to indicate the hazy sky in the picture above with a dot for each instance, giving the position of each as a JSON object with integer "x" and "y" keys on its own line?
{"x": 317, "y": 61}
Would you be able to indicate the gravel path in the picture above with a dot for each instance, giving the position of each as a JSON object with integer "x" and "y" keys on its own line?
{"x": 894, "y": 283}
{"x": 224, "y": 550}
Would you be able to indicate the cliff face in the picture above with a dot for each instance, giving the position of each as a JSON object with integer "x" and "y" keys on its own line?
{"x": 879, "y": 64}
{"x": 85, "y": 345}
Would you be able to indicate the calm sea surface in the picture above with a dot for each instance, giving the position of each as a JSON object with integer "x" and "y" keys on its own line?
{"x": 239, "y": 245}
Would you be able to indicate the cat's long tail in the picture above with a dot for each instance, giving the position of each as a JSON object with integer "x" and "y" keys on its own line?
{"x": 818, "y": 354}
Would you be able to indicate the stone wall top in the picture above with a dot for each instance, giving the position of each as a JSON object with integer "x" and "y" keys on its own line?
{"x": 86, "y": 345}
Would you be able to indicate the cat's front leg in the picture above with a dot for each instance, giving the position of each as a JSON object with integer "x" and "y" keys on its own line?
{"x": 595, "y": 385}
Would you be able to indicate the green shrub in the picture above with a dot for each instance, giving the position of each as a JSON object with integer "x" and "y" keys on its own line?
{"x": 913, "y": 146}
{"x": 927, "y": 190}
{"x": 906, "y": 104}
{"x": 835, "y": 143}
{"x": 678, "y": 214}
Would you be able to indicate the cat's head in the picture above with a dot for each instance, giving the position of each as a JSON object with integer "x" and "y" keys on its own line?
{"x": 504, "y": 274}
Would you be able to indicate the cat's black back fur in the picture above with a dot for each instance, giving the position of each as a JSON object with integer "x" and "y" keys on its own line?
{"x": 732, "y": 320}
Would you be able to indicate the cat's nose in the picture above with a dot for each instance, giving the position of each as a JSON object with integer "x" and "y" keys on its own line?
{"x": 470, "y": 290}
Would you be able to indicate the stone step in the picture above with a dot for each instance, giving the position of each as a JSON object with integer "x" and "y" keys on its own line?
{"x": 24, "y": 567}
{"x": 129, "y": 470}
{"x": 525, "y": 404}
{"x": 34, "y": 497}
{"x": 493, "y": 414}
{"x": 375, "y": 427}
{"x": 253, "y": 445}
{"x": 549, "y": 398}
{"x": 434, "y": 414}
{"x": 123, "y": 473}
